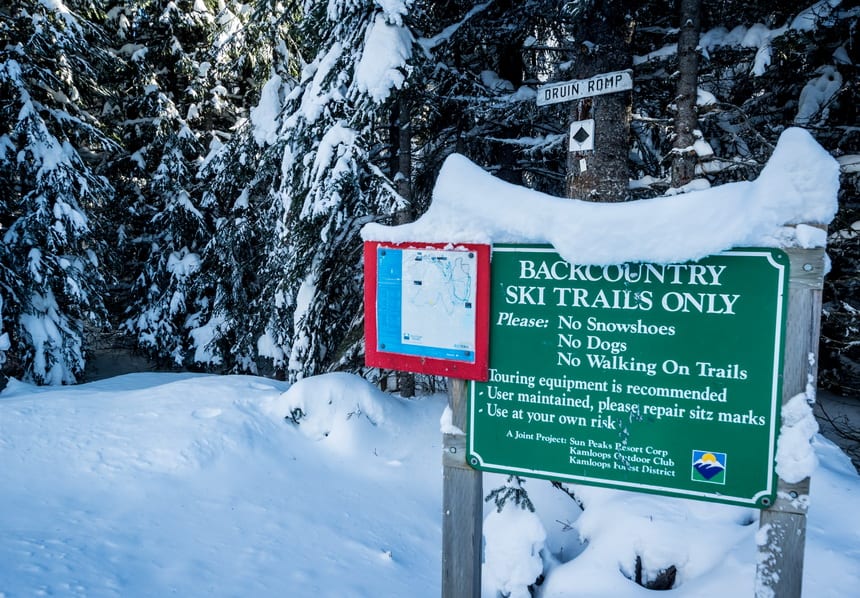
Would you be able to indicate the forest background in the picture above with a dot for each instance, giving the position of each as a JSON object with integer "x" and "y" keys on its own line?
{"x": 189, "y": 178}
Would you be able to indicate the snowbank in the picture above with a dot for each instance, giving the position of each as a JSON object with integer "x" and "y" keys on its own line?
{"x": 196, "y": 486}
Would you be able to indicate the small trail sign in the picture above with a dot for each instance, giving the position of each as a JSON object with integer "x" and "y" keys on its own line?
{"x": 581, "y": 136}
{"x": 566, "y": 91}
{"x": 660, "y": 378}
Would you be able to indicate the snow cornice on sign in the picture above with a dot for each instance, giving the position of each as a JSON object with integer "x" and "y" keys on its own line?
{"x": 795, "y": 193}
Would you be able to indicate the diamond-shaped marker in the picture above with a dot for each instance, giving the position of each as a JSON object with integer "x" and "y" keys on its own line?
{"x": 581, "y": 136}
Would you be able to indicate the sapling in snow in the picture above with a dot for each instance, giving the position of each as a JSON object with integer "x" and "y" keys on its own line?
{"x": 514, "y": 539}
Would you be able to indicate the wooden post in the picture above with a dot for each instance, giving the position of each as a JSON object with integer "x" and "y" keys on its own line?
{"x": 782, "y": 531}
{"x": 462, "y": 507}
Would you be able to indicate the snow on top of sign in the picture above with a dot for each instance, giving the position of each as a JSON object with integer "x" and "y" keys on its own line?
{"x": 798, "y": 185}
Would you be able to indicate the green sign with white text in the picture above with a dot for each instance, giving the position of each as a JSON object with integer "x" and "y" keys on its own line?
{"x": 662, "y": 378}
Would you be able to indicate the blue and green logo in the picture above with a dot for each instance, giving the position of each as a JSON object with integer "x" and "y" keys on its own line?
{"x": 709, "y": 466}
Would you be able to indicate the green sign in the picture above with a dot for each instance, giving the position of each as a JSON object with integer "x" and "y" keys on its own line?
{"x": 661, "y": 378}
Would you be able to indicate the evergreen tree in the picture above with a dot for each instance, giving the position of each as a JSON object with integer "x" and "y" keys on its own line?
{"x": 187, "y": 94}
{"x": 51, "y": 142}
{"x": 763, "y": 68}
{"x": 241, "y": 179}
{"x": 343, "y": 185}
{"x": 604, "y": 30}
{"x": 362, "y": 56}
{"x": 5, "y": 342}
{"x": 323, "y": 175}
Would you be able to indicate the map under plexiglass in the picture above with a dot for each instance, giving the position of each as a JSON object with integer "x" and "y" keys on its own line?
{"x": 426, "y": 302}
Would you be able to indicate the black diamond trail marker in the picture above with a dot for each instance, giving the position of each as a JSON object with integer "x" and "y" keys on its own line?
{"x": 581, "y": 136}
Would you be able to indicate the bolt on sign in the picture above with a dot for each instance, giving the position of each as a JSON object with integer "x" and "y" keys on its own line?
{"x": 660, "y": 378}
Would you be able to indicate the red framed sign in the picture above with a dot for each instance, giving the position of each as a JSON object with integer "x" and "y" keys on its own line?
{"x": 426, "y": 308}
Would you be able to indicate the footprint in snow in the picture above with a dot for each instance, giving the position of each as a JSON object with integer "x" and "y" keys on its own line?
{"x": 206, "y": 413}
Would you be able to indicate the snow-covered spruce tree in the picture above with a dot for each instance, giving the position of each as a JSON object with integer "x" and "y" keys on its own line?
{"x": 50, "y": 142}
{"x": 326, "y": 163}
{"x": 5, "y": 343}
{"x": 754, "y": 61}
{"x": 177, "y": 109}
{"x": 338, "y": 183}
{"x": 240, "y": 182}
{"x": 161, "y": 228}
{"x": 515, "y": 540}
{"x": 228, "y": 321}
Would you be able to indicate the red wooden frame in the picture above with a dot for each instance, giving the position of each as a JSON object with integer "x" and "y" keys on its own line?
{"x": 477, "y": 370}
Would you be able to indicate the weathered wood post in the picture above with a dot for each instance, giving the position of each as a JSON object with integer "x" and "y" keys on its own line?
{"x": 782, "y": 534}
{"x": 462, "y": 506}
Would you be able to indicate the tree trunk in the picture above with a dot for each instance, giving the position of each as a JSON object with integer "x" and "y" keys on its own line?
{"x": 684, "y": 156}
{"x": 602, "y": 174}
{"x": 403, "y": 178}
{"x": 401, "y": 162}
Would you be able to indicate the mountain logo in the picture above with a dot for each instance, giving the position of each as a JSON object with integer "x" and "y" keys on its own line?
{"x": 709, "y": 466}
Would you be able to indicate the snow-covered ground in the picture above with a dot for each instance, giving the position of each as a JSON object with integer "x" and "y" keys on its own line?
{"x": 170, "y": 484}
{"x": 194, "y": 485}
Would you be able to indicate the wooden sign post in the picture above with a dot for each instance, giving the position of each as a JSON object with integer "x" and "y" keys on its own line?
{"x": 783, "y": 526}
{"x": 462, "y": 506}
